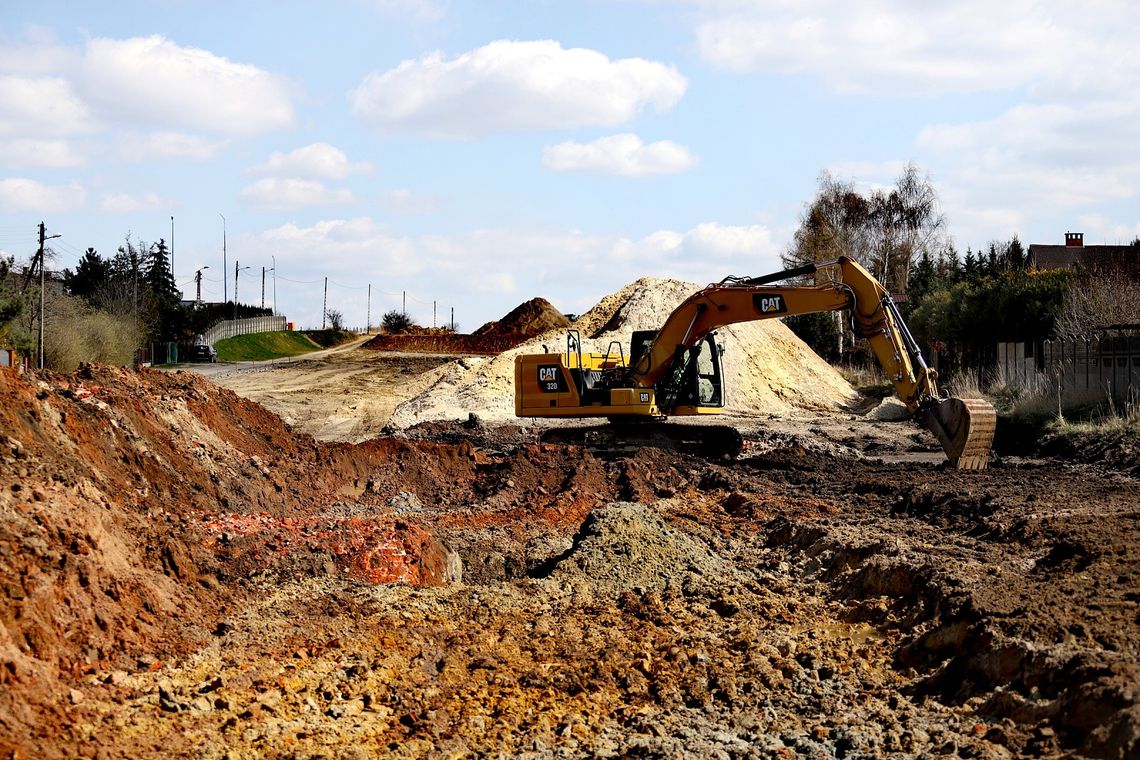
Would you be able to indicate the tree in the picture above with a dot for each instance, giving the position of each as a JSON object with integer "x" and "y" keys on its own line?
{"x": 89, "y": 277}
{"x": 1094, "y": 301}
{"x": 395, "y": 322}
{"x": 336, "y": 319}
{"x": 886, "y": 231}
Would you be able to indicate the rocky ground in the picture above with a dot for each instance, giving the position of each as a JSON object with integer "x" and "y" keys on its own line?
{"x": 183, "y": 575}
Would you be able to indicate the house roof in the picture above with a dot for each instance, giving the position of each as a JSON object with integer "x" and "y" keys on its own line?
{"x": 1126, "y": 257}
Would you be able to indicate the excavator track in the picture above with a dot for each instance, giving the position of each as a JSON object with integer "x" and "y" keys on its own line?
{"x": 965, "y": 428}
{"x": 712, "y": 442}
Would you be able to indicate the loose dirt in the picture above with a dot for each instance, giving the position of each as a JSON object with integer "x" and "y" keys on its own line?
{"x": 184, "y": 575}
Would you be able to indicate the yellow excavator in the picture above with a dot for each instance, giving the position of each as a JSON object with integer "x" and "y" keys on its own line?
{"x": 676, "y": 370}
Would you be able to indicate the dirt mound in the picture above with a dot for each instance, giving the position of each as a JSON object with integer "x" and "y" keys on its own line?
{"x": 133, "y": 501}
{"x": 768, "y": 370}
{"x": 627, "y": 545}
{"x": 528, "y": 319}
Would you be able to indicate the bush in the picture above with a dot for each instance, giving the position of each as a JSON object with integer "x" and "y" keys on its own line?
{"x": 396, "y": 322}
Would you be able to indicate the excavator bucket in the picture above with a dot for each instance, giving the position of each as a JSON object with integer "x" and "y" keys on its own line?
{"x": 965, "y": 428}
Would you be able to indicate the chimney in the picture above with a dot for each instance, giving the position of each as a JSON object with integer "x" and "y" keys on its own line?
{"x": 1074, "y": 239}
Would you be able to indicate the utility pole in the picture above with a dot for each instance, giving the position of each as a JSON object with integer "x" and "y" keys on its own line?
{"x": 404, "y": 307}
{"x": 225, "y": 296}
{"x": 325, "y": 304}
{"x": 236, "y": 270}
{"x": 40, "y": 258}
{"x": 43, "y": 281}
{"x": 368, "y": 312}
{"x": 453, "y": 319}
{"x": 263, "y": 288}
{"x": 172, "y": 248}
{"x": 274, "y": 285}
{"x": 433, "y": 315}
{"x": 198, "y": 282}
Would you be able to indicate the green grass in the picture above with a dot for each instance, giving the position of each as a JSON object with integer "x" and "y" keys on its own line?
{"x": 268, "y": 345}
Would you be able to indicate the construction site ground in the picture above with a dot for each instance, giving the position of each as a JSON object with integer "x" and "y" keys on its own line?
{"x": 183, "y": 574}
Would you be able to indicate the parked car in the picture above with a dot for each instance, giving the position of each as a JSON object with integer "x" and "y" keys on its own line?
{"x": 202, "y": 352}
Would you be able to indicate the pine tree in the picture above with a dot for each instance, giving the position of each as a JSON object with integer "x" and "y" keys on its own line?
{"x": 89, "y": 277}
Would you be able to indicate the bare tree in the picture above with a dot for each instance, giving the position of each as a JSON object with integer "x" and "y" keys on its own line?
{"x": 336, "y": 319}
{"x": 1096, "y": 300}
{"x": 887, "y": 231}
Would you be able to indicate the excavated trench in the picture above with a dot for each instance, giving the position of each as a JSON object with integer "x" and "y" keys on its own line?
{"x": 204, "y": 581}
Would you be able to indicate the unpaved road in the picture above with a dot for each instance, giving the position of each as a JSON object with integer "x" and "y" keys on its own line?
{"x": 185, "y": 577}
{"x": 344, "y": 393}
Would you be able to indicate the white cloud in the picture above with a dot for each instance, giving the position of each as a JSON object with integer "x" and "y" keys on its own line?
{"x": 624, "y": 154}
{"x": 509, "y": 86}
{"x": 151, "y": 80}
{"x": 901, "y": 47}
{"x": 135, "y": 147}
{"x": 27, "y": 195}
{"x": 317, "y": 161}
{"x": 272, "y": 194}
{"x": 124, "y": 203}
{"x": 42, "y": 107}
{"x": 487, "y": 271}
{"x": 47, "y": 154}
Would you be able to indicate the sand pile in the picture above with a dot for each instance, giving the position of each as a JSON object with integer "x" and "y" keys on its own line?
{"x": 768, "y": 370}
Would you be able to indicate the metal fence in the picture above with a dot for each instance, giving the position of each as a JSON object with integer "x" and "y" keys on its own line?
{"x": 1108, "y": 366}
{"x": 231, "y": 327}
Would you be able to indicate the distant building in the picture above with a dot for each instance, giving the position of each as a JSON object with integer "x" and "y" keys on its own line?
{"x": 1094, "y": 258}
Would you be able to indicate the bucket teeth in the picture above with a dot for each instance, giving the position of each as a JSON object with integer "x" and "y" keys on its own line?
{"x": 965, "y": 428}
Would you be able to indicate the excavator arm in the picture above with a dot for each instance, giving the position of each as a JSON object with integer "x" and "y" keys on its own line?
{"x": 964, "y": 427}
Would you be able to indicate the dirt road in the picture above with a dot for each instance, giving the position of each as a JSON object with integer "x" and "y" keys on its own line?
{"x": 184, "y": 576}
{"x": 339, "y": 394}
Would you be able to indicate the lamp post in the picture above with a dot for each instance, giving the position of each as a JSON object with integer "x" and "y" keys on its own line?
{"x": 225, "y": 296}
{"x": 198, "y": 282}
{"x": 236, "y": 270}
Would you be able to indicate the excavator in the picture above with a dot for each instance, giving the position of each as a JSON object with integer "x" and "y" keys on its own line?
{"x": 675, "y": 371}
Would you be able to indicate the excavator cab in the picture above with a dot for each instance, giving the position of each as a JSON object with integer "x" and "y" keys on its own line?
{"x": 695, "y": 383}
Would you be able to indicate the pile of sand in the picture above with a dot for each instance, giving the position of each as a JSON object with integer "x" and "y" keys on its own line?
{"x": 768, "y": 370}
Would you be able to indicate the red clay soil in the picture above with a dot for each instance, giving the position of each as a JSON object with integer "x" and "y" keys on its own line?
{"x": 134, "y": 499}
{"x": 183, "y": 575}
{"x": 524, "y": 322}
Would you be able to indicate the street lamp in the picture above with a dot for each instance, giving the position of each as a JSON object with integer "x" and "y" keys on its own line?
{"x": 263, "y": 271}
{"x": 198, "y": 282}
{"x": 225, "y": 296}
{"x": 236, "y": 270}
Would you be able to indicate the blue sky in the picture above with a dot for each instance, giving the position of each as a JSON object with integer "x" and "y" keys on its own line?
{"x": 477, "y": 154}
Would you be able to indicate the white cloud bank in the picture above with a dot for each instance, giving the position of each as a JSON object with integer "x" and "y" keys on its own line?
{"x": 317, "y": 161}
{"x": 18, "y": 194}
{"x": 513, "y": 86}
{"x": 272, "y": 194}
{"x": 624, "y": 154}
{"x": 152, "y": 80}
{"x": 482, "y": 269}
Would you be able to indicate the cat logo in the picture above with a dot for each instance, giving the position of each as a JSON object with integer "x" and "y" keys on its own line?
{"x": 550, "y": 379}
{"x": 769, "y": 304}
{"x": 645, "y": 397}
